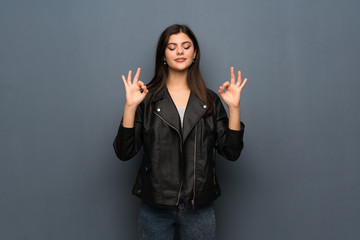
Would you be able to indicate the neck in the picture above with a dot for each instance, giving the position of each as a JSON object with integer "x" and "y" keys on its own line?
{"x": 177, "y": 80}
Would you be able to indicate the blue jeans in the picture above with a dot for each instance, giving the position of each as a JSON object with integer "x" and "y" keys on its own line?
{"x": 159, "y": 224}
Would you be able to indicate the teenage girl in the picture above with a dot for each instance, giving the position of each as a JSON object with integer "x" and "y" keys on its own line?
{"x": 180, "y": 124}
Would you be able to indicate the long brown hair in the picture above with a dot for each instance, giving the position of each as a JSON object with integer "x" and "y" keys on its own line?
{"x": 195, "y": 80}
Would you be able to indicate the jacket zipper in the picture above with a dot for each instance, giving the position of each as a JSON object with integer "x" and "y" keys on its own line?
{"x": 178, "y": 197}
{"x": 194, "y": 192}
{"x": 214, "y": 173}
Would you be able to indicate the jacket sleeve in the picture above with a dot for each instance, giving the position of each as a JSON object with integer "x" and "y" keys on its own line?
{"x": 128, "y": 141}
{"x": 229, "y": 143}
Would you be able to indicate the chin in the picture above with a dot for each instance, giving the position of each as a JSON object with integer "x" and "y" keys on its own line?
{"x": 180, "y": 68}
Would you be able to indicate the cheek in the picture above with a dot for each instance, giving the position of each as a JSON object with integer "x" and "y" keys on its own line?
{"x": 168, "y": 54}
{"x": 191, "y": 54}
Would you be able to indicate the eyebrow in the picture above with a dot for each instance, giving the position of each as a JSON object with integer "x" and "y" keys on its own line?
{"x": 181, "y": 43}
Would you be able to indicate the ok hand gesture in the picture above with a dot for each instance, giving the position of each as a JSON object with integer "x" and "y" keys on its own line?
{"x": 232, "y": 93}
{"x": 135, "y": 91}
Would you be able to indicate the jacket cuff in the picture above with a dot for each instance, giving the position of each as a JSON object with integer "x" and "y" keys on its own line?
{"x": 234, "y": 139}
{"x": 241, "y": 131}
{"x": 125, "y": 133}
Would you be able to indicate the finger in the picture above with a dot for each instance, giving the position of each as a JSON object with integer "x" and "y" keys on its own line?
{"x": 243, "y": 83}
{"x": 232, "y": 75}
{"x": 145, "y": 90}
{"x": 129, "y": 77}
{"x": 137, "y": 75}
{"x": 221, "y": 90}
{"x": 226, "y": 84}
{"x": 239, "y": 79}
{"x": 141, "y": 85}
{"x": 124, "y": 80}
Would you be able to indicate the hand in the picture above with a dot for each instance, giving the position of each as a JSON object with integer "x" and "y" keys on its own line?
{"x": 135, "y": 91}
{"x": 230, "y": 92}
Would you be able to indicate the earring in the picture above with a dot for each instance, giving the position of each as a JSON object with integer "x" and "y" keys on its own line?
{"x": 194, "y": 60}
{"x": 164, "y": 62}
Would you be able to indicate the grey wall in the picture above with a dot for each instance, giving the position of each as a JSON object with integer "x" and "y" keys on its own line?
{"x": 61, "y": 100}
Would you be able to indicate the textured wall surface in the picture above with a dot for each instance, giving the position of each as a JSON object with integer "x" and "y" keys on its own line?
{"x": 61, "y": 100}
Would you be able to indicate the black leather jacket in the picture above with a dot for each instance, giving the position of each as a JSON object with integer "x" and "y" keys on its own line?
{"x": 178, "y": 159}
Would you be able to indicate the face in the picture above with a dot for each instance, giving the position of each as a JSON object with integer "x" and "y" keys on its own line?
{"x": 179, "y": 52}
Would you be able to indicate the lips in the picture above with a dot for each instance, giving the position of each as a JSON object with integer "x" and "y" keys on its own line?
{"x": 180, "y": 59}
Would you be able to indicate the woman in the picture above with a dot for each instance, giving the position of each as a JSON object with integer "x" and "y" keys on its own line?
{"x": 180, "y": 124}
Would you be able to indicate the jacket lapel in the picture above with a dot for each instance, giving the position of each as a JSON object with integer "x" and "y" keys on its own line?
{"x": 195, "y": 109}
{"x": 165, "y": 108}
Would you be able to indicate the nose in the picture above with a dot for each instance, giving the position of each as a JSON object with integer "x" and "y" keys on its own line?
{"x": 179, "y": 51}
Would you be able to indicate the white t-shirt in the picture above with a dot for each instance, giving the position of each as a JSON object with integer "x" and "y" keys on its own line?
{"x": 181, "y": 111}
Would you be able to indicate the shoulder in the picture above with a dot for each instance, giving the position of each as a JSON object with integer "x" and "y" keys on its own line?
{"x": 149, "y": 96}
{"x": 213, "y": 95}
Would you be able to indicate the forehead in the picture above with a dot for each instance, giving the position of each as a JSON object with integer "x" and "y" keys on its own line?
{"x": 179, "y": 38}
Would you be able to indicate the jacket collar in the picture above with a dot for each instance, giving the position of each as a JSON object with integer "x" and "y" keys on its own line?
{"x": 165, "y": 108}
